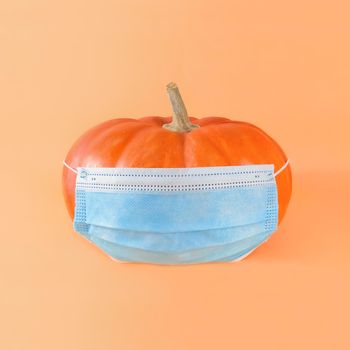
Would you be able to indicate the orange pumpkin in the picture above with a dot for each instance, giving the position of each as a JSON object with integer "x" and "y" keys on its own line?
{"x": 180, "y": 141}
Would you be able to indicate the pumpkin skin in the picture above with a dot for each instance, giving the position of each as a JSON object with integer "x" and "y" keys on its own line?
{"x": 144, "y": 143}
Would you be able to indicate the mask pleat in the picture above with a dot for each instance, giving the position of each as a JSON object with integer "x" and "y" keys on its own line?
{"x": 176, "y": 242}
{"x": 176, "y": 212}
{"x": 211, "y": 253}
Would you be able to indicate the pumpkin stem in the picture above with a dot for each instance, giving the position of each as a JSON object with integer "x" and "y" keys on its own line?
{"x": 180, "y": 121}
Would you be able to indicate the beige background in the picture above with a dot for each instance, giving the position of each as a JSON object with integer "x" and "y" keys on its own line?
{"x": 66, "y": 66}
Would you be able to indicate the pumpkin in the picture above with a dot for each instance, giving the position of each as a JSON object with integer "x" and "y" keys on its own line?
{"x": 172, "y": 142}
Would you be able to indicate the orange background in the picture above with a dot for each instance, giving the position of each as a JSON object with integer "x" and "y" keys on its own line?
{"x": 68, "y": 65}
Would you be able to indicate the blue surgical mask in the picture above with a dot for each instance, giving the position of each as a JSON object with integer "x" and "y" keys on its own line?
{"x": 177, "y": 215}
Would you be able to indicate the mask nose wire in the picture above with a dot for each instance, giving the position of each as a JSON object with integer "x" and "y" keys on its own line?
{"x": 274, "y": 175}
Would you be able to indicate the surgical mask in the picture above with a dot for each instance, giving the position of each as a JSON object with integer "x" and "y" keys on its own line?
{"x": 177, "y": 215}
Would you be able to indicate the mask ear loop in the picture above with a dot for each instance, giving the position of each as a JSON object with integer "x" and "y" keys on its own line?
{"x": 282, "y": 168}
{"x": 275, "y": 174}
{"x": 69, "y": 167}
